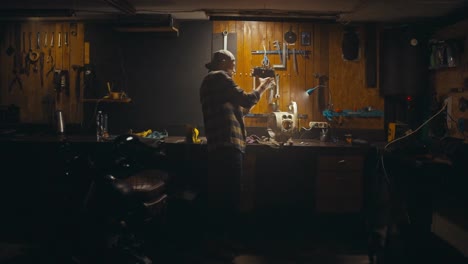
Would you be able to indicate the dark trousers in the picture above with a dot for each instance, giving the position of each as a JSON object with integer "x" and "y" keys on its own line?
{"x": 222, "y": 190}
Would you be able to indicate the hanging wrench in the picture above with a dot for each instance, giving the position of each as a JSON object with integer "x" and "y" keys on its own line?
{"x": 277, "y": 95}
{"x": 294, "y": 60}
{"x": 225, "y": 34}
{"x": 38, "y": 46}
{"x": 52, "y": 40}
{"x": 273, "y": 96}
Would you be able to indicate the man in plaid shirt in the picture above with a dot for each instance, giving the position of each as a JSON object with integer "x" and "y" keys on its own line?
{"x": 223, "y": 106}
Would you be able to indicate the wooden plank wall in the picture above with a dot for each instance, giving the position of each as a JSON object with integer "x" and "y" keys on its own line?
{"x": 346, "y": 78}
{"x": 38, "y": 102}
{"x": 346, "y": 83}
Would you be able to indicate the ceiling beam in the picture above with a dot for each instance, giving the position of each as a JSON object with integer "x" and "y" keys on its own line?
{"x": 271, "y": 15}
{"x": 123, "y": 6}
{"x": 26, "y": 13}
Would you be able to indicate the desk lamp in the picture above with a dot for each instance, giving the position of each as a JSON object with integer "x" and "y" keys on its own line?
{"x": 311, "y": 90}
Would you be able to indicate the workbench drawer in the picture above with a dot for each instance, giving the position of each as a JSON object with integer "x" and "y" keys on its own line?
{"x": 340, "y": 163}
{"x": 342, "y": 184}
{"x": 339, "y": 184}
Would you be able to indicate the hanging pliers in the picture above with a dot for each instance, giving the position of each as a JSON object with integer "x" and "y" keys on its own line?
{"x": 16, "y": 80}
{"x": 265, "y": 61}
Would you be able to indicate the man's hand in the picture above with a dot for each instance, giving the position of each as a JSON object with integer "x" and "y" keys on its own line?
{"x": 266, "y": 83}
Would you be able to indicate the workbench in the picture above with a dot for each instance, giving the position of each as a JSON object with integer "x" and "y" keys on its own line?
{"x": 311, "y": 175}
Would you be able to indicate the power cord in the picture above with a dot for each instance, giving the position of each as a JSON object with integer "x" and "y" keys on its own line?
{"x": 417, "y": 129}
{"x": 405, "y": 136}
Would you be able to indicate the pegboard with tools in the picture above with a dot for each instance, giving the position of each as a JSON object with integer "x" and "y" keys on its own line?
{"x": 38, "y": 69}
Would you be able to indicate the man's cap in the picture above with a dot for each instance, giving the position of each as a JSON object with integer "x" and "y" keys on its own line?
{"x": 219, "y": 57}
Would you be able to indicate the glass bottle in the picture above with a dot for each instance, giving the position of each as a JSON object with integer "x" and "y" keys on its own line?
{"x": 99, "y": 125}
{"x": 105, "y": 131}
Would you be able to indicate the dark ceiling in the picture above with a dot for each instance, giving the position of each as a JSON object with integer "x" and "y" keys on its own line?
{"x": 336, "y": 10}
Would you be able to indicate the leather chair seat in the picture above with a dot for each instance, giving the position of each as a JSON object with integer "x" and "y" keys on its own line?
{"x": 148, "y": 185}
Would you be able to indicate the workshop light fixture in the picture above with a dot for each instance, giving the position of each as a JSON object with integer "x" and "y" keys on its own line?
{"x": 311, "y": 90}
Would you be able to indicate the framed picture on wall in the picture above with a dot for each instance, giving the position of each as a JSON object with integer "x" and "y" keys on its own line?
{"x": 305, "y": 38}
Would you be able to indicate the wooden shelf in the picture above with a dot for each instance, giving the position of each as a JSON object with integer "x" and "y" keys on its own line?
{"x": 107, "y": 100}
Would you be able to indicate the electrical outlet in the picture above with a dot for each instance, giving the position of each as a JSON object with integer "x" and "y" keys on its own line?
{"x": 318, "y": 124}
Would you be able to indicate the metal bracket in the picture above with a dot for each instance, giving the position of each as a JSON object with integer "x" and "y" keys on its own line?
{"x": 283, "y": 55}
{"x": 277, "y": 45}
{"x": 283, "y": 58}
{"x": 300, "y": 52}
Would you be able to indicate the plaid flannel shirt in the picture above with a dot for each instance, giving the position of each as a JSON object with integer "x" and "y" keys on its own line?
{"x": 222, "y": 103}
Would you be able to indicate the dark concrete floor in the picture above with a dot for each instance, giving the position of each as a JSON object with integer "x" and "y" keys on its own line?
{"x": 283, "y": 238}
